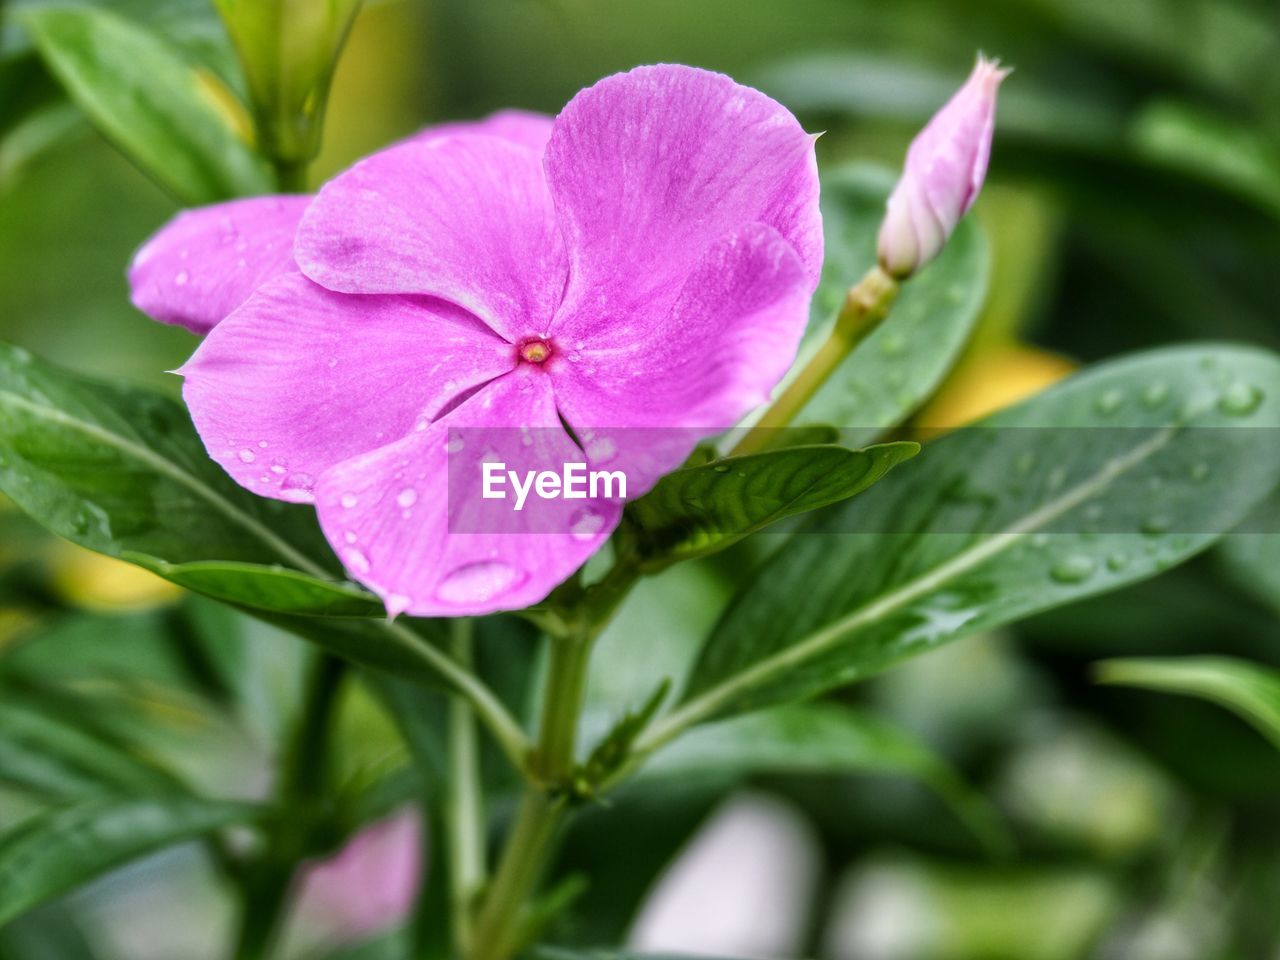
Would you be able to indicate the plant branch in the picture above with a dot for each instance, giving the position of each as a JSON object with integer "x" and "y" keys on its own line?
{"x": 464, "y": 808}
{"x": 865, "y": 307}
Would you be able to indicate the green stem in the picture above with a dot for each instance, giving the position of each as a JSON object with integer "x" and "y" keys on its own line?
{"x": 866, "y": 305}
{"x": 291, "y": 175}
{"x": 502, "y": 927}
{"x": 488, "y": 708}
{"x": 464, "y": 808}
{"x": 301, "y": 798}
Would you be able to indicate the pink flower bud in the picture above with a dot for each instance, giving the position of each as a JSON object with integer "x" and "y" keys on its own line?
{"x": 945, "y": 167}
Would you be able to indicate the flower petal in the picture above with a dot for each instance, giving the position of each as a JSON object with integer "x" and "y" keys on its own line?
{"x": 650, "y": 168}
{"x": 467, "y": 218}
{"x": 300, "y": 378}
{"x": 409, "y": 520}
{"x": 641, "y": 402}
{"x": 205, "y": 262}
{"x": 524, "y": 127}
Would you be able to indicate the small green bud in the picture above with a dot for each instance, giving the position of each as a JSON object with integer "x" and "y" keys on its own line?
{"x": 288, "y": 49}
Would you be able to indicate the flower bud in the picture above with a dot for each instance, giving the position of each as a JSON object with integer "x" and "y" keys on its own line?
{"x": 288, "y": 49}
{"x": 946, "y": 164}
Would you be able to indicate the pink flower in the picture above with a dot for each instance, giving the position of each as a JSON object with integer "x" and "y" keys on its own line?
{"x": 946, "y": 165}
{"x": 644, "y": 278}
{"x": 368, "y": 886}
{"x": 206, "y": 262}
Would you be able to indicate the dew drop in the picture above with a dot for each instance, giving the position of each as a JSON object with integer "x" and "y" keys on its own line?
{"x": 477, "y": 582}
{"x": 247, "y": 456}
{"x": 1156, "y": 524}
{"x": 454, "y": 445}
{"x": 585, "y": 524}
{"x": 1240, "y": 399}
{"x": 1117, "y": 562}
{"x": 602, "y": 450}
{"x": 298, "y": 482}
{"x": 1075, "y": 568}
{"x": 355, "y": 560}
{"x": 181, "y": 279}
{"x": 1200, "y": 472}
{"x": 407, "y": 497}
{"x": 350, "y": 536}
{"x": 721, "y": 468}
{"x": 278, "y": 469}
{"x": 1155, "y": 394}
{"x": 892, "y": 344}
{"x": 397, "y": 603}
{"x": 1110, "y": 401}
{"x": 348, "y": 500}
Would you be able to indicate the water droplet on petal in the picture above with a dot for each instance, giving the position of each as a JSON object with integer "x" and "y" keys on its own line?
{"x": 303, "y": 482}
{"x": 181, "y": 279}
{"x": 454, "y": 445}
{"x": 407, "y": 497}
{"x": 350, "y": 536}
{"x": 247, "y": 456}
{"x": 478, "y": 582}
{"x": 1075, "y": 568}
{"x": 602, "y": 450}
{"x": 278, "y": 469}
{"x": 348, "y": 500}
{"x": 1240, "y": 399}
{"x": 355, "y": 560}
{"x": 585, "y": 524}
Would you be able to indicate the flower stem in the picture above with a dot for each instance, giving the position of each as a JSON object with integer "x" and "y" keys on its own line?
{"x": 866, "y": 305}
{"x": 502, "y": 928}
{"x": 301, "y": 797}
{"x": 464, "y": 808}
{"x": 291, "y": 175}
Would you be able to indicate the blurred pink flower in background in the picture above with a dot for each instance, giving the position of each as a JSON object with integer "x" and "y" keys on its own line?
{"x": 946, "y": 166}
{"x": 370, "y": 885}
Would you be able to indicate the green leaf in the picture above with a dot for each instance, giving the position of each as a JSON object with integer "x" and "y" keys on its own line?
{"x": 39, "y": 752}
{"x": 699, "y": 510}
{"x": 902, "y": 362}
{"x": 1206, "y": 145}
{"x": 63, "y": 848}
{"x": 272, "y": 588}
{"x": 1252, "y": 553}
{"x": 821, "y": 738}
{"x": 1249, "y": 690}
{"x": 122, "y": 471}
{"x": 1038, "y": 506}
{"x": 173, "y": 120}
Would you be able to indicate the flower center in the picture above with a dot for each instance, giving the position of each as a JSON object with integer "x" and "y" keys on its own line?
{"x": 535, "y": 350}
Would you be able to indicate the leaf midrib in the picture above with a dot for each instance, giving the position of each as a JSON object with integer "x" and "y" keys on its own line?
{"x": 182, "y": 477}
{"x": 708, "y": 703}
